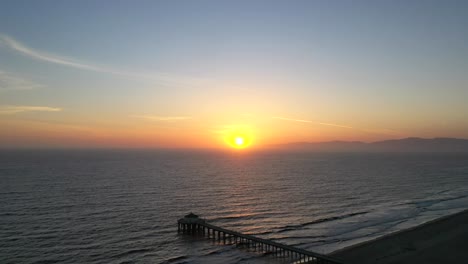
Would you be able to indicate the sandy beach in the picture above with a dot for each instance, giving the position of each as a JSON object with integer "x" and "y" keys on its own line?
{"x": 444, "y": 240}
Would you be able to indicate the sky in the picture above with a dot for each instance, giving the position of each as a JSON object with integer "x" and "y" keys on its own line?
{"x": 197, "y": 74}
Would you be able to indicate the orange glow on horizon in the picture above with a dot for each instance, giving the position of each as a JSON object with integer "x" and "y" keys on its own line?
{"x": 254, "y": 133}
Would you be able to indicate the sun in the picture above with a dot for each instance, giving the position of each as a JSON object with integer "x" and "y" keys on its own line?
{"x": 238, "y": 141}
{"x": 238, "y": 136}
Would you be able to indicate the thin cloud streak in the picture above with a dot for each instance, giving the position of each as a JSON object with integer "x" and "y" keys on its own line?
{"x": 15, "y": 109}
{"x": 308, "y": 121}
{"x": 19, "y": 47}
{"x": 74, "y": 63}
{"x": 163, "y": 118}
{"x": 9, "y": 82}
{"x": 335, "y": 125}
{"x": 223, "y": 129}
{"x": 291, "y": 119}
{"x": 386, "y": 131}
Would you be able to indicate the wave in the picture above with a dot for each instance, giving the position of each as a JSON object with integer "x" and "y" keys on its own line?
{"x": 132, "y": 252}
{"x": 320, "y": 220}
{"x": 430, "y": 202}
{"x": 175, "y": 259}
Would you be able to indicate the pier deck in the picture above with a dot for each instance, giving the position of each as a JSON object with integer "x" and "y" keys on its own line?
{"x": 191, "y": 224}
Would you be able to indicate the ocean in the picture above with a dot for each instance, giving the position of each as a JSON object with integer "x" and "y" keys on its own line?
{"x": 122, "y": 206}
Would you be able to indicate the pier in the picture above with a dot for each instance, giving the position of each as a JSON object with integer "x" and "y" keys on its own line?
{"x": 192, "y": 224}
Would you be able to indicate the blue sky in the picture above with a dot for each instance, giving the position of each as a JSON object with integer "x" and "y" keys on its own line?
{"x": 397, "y": 66}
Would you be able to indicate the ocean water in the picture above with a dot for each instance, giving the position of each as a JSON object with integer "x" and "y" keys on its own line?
{"x": 122, "y": 206}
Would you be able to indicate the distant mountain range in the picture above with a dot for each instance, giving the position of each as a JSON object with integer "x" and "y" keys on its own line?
{"x": 395, "y": 145}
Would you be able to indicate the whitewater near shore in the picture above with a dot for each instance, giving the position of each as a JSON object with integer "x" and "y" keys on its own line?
{"x": 442, "y": 240}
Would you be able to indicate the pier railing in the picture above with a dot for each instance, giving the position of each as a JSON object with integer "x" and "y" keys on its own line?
{"x": 191, "y": 224}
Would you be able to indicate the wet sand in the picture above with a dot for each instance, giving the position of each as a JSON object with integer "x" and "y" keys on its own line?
{"x": 444, "y": 240}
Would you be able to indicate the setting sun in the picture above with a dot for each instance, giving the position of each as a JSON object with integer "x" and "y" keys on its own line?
{"x": 238, "y": 136}
{"x": 239, "y": 141}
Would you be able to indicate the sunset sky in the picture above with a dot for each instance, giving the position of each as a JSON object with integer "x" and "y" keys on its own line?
{"x": 198, "y": 73}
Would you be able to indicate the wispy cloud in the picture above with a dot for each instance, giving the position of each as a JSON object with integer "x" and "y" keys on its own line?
{"x": 334, "y": 125}
{"x": 308, "y": 121}
{"x": 162, "y": 78}
{"x": 11, "y": 82}
{"x": 384, "y": 131}
{"x": 231, "y": 129}
{"x": 39, "y": 55}
{"x": 14, "y": 109}
{"x": 163, "y": 118}
{"x": 291, "y": 119}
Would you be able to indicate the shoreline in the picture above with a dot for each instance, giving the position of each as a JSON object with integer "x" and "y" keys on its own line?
{"x": 442, "y": 240}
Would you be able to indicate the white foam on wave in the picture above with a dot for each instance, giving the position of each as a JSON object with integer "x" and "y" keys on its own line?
{"x": 388, "y": 218}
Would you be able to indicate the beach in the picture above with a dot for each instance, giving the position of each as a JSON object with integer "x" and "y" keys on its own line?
{"x": 443, "y": 240}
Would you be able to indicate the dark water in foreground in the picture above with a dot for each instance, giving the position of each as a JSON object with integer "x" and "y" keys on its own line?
{"x": 122, "y": 206}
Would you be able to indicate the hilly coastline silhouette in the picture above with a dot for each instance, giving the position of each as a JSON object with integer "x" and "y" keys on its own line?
{"x": 411, "y": 144}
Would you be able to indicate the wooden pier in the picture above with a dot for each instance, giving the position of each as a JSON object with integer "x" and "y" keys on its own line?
{"x": 192, "y": 224}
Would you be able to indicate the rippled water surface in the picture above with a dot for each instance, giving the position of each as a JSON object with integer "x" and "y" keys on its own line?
{"x": 122, "y": 206}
